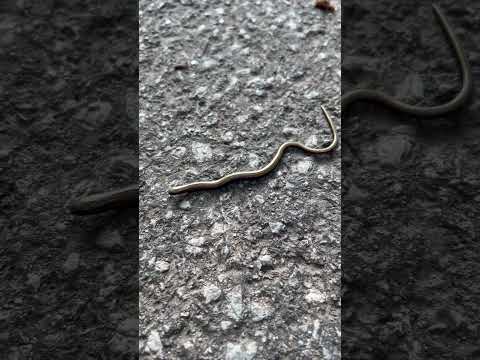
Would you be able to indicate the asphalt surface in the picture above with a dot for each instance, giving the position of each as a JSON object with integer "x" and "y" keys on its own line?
{"x": 410, "y": 214}
{"x": 68, "y": 99}
{"x": 251, "y": 270}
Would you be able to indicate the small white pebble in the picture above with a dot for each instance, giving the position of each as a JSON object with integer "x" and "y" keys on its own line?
{"x": 185, "y": 205}
{"x": 241, "y": 118}
{"x": 315, "y": 296}
{"x": 253, "y": 160}
{"x": 162, "y": 266}
{"x": 208, "y": 64}
{"x": 217, "y": 229}
{"x": 154, "y": 343}
{"x": 188, "y": 345}
{"x": 312, "y": 95}
{"x": 303, "y": 166}
{"x": 259, "y": 199}
{"x": 225, "y": 325}
{"x": 193, "y": 250}
{"x": 265, "y": 260}
{"x": 179, "y": 151}
{"x": 260, "y": 311}
{"x": 197, "y": 241}
{"x": 201, "y": 152}
{"x": 276, "y": 227}
{"x": 244, "y": 350}
{"x": 290, "y": 131}
{"x": 211, "y": 293}
{"x": 227, "y": 137}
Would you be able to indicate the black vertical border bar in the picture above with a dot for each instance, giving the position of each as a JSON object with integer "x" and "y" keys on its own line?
{"x": 410, "y": 204}
{"x": 68, "y": 128}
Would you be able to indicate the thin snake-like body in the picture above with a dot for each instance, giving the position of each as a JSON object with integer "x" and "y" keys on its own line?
{"x": 208, "y": 185}
{"x": 427, "y": 111}
{"x": 349, "y": 98}
{"x": 129, "y": 196}
{"x": 97, "y": 203}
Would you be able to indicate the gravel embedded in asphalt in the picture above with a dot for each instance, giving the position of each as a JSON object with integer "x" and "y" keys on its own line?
{"x": 253, "y": 268}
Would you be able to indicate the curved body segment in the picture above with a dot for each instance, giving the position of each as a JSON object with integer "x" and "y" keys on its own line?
{"x": 422, "y": 111}
{"x": 214, "y": 184}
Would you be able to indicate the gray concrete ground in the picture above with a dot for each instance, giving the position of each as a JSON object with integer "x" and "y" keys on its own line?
{"x": 251, "y": 270}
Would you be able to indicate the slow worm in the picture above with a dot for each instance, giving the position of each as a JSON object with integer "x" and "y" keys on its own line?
{"x": 454, "y": 104}
{"x": 208, "y": 185}
{"x": 128, "y": 196}
{"x": 96, "y": 203}
{"x": 347, "y": 99}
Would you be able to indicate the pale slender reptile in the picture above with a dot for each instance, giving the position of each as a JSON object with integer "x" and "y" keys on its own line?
{"x": 347, "y": 99}
{"x": 214, "y": 184}
{"x": 129, "y": 196}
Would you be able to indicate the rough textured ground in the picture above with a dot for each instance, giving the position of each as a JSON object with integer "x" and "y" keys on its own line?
{"x": 251, "y": 270}
{"x": 68, "y": 127}
{"x": 410, "y": 204}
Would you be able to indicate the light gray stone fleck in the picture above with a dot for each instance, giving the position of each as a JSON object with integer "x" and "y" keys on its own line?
{"x": 265, "y": 260}
{"x": 197, "y": 241}
{"x": 193, "y": 250}
{"x": 227, "y": 137}
{"x": 277, "y": 227}
{"x": 290, "y": 131}
{"x": 208, "y": 64}
{"x": 303, "y": 166}
{"x": 154, "y": 343}
{"x": 241, "y": 119}
{"x": 34, "y": 281}
{"x": 218, "y": 229}
{"x": 315, "y": 296}
{"x": 259, "y": 198}
{"x": 162, "y": 266}
{"x": 260, "y": 311}
{"x": 72, "y": 262}
{"x": 201, "y": 152}
{"x": 312, "y": 94}
{"x": 225, "y": 325}
{"x": 244, "y": 350}
{"x": 235, "y": 303}
{"x": 211, "y": 293}
{"x": 185, "y": 205}
{"x": 253, "y": 160}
